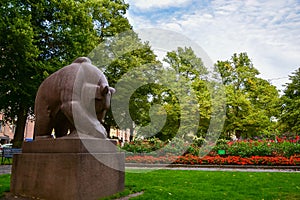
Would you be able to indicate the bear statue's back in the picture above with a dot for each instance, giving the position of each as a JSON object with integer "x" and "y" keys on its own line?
{"x": 65, "y": 90}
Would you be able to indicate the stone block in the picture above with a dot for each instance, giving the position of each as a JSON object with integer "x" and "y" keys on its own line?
{"x": 65, "y": 169}
{"x": 70, "y": 145}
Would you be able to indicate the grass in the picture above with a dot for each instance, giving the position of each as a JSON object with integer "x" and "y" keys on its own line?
{"x": 7, "y": 161}
{"x": 180, "y": 184}
{"x": 189, "y": 184}
{"x": 4, "y": 184}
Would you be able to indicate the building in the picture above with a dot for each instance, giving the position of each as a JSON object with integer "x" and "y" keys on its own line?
{"x": 7, "y": 130}
{"x": 122, "y": 136}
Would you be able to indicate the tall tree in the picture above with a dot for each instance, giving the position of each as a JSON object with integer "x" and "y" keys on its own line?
{"x": 290, "y": 116}
{"x": 187, "y": 65}
{"x": 39, "y": 37}
{"x": 251, "y": 101}
{"x": 118, "y": 55}
{"x": 18, "y": 70}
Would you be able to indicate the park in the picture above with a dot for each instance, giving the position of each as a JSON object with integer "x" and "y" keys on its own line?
{"x": 94, "y": 108}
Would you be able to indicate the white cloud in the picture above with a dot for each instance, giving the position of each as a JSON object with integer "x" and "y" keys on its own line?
{"x": 269, "y": 31}
{"x": 151, "y": 4}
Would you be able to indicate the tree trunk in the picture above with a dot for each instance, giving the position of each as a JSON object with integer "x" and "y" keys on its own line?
{"x": 107, "y": 128}
{"x": 238, "y": 134}
{"x": 131, "y": 135}
{"x": 20, "y": 127}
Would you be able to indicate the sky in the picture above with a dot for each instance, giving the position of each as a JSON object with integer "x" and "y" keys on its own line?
{"x": 268, "y": 31}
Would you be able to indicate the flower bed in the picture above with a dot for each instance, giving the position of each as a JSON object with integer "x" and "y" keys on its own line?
{"x": 247, "y": 148}
{"x": 279, "y": 147}
{"x": 280, "y": 151}
{"x": 216, "y": 160}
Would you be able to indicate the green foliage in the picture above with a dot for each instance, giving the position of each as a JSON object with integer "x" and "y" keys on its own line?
{"x": 117, "y": 56}
{"x": 153, "y": 105}
{"x": 18, "y": 72}
{"x": 176, "y": 146}
{"x": 127, "y": 62}
{"x": 193, "y": 72}
{"x": 288, "y": 149}
{"x": 290, "y": 117}
{"x": 251, "y": 101}
{"x": 259, "y": 148}
{"x": 143, "y": 146}
{"x": 156, "y": 147}
{"x": 199, "y": 141}
{"x": 39, "y": 37}
{"x": 246, "y": 148}
{"x": 186, "y": 63}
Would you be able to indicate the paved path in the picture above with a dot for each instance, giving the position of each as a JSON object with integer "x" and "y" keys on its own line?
{"x": 217, "y": 169}
{"x": 242, "y": 168}
{"x": 6, "y": 169}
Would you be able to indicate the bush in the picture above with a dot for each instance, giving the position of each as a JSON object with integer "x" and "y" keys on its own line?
{"x": 154, "y": 146}
{"x": 259, "y": 148}
{"x": 288, "y": 149}
{"x": 143, "y": 146}
{"x": 246, "y": 148}
{"x": 199, "y": 141}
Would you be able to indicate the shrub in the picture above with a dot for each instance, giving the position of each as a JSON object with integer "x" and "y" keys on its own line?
{"x": 143, "y": 146}
{"x": 199, "y": 141}
{"x": 154, "y": 146}
{"x": 250, "y": 148}
{"x": 246, "y": 148}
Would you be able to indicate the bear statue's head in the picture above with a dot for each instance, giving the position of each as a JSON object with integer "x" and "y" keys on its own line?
{"x": 102, "y": 101}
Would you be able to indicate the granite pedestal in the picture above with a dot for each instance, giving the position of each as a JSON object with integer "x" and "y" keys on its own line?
{"x": 69, "y": 168}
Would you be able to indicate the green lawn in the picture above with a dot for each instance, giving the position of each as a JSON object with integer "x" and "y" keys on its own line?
{"x": 4, "y": 183}
{"x": 170, "y": 184}
{"x": 181, "y": 184}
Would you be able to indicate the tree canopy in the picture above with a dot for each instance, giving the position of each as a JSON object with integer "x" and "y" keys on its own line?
{"x": 117, "y": 56}
{"x": 290, "y": 117}
{"x": 39, "y": 37}
{"x": 251, "y": 101}
{"x": 185, "y": 63}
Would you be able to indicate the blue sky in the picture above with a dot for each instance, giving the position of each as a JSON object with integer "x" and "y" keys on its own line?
{"x": 269, "y": 31}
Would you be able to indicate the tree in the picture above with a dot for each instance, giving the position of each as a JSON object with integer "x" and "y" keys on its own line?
{"x": 290, "y": 116}
{"x": 118, "y": 55}
{"x": 191, "y": 68}
{"x": 18, "y": 70}
{"x": 39, "y": 37}
{"x": 186, "y": 63}
{"x": 251, "y": 101}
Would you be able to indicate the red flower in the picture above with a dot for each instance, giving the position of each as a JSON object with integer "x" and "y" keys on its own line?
{"x": 218, "y": 160}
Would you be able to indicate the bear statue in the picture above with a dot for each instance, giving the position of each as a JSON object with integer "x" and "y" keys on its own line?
{"x": 73, "y": 100}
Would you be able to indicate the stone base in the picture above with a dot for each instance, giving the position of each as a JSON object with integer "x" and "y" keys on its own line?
{"x": 65, "y": 169}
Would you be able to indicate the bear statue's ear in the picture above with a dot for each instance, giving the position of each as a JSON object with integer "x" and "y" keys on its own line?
{"x": 107, "y": 89}
{"x": 112, "y": 90}
{"x": 82, "y": 60}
